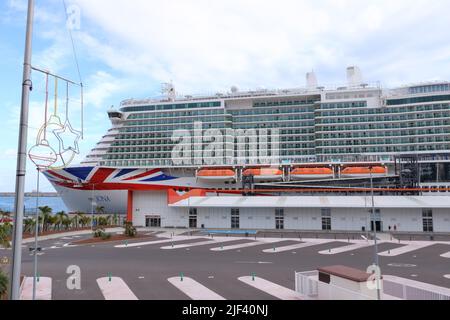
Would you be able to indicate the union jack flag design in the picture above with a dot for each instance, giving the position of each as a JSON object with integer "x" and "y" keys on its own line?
{"x": 86, "y": 178}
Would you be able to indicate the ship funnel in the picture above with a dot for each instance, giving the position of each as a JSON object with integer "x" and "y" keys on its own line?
{"x": 311, "y": 80}
{"x": 354, "y": 76}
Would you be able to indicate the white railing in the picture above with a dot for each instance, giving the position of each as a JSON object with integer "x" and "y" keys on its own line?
{"x": 406, "y": 292}
{"x": 306, "y": 285}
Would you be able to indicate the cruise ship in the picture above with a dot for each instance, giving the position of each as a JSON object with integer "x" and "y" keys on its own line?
{"x": 307, "y": 158}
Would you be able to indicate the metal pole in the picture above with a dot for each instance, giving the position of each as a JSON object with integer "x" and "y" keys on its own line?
{"x": 92, "y": 207}
{"x": 21, "y": 159}
{"x": 375, "y": 236}
{"x": 36, "y": 232}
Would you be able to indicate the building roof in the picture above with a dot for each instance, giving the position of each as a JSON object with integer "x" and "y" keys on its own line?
{"x": 315, "y": 202}
{"x": 346, "y": 273}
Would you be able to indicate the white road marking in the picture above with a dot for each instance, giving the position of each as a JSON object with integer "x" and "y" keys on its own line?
{"x": 254, "y": 262}
{"x": 447, "y": 276}
{"x": 271, "y": 288}
{"x": 405, "y": 249}
{"x": 116, "y": 289}
{"x": 194, "y": 289}
{"x": 246, "y": 245}
{"x": 298, "y": 246}
{"x": 43, "y": 289}
{"x": 351, "y": 247}
{"x": 141, "y": 277}
{"x": 138, "y": 244}
{"x": 202, "y": 243}
{"x": 446, "y": 255}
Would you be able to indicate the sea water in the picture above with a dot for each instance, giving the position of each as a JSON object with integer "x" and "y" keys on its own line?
{"x": 56, "y": 203}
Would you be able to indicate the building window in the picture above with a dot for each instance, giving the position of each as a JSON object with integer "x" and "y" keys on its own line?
{"x": 326, "y": 219}
{"x": 279, "y": 219}
{"x": 427, "y": 217}
{"x": 193, "y": 218}
{"x": 234, "y": 218}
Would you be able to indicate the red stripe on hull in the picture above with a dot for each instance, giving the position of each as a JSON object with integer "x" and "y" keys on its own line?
{"x": 101, "y": 175}
{"x": 142, "y": 175}
{"x": 53, "y": 173}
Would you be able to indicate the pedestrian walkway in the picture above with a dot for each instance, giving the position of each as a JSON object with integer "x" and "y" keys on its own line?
{"x": 309, "y": 243}
{"x": 201, "y": 243}
{"x": 146, "y": 243}
{"x": 43, "y": 289}
{"x": 194, "y": 289}
{"x": 114, "y": 288}
{"x": 246, "y": 245}
{"x": 271, "y": 288}
{"x": 354, "y": 246}
{"x": 407, "y": 248}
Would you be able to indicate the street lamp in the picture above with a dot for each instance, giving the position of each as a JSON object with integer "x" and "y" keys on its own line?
{"x": 375, "y": 236}
{"x": 92, "y": 207}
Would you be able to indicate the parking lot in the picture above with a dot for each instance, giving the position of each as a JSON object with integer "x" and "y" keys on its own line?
{"x": 218, "y": 263}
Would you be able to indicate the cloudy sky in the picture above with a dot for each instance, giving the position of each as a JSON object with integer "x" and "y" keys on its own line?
{"x": 128, "y": 48}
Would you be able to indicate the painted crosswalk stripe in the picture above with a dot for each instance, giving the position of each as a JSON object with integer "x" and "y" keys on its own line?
{"x": 196, "y": 244}
{"x": 297, "y": 246}
{"x": 246, "y": 245}
{"x": 446, "y": 255}
{"x": 348, "y": 248}
{"x": 405, "y": 249}
{"x": 43, "y": 289}
{"x": 194, "y": 289}
{"x": 271, "y": 288}
{"x": 146, "y": 243}
{"x": 116, "y": 289}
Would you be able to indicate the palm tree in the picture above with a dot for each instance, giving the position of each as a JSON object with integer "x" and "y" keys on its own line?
{"x": 46, "y": 213}
{"x": 28, "y": 224}
{"x": 79, "y": 216}
{"x": 100, "y": 210}
{"x": 85, "y": 221}
{"x": 61, "y": 215}
{"x": 66, "y": 222}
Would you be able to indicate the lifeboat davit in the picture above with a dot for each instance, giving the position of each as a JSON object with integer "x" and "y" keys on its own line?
{"x": 364, "y": 172}
{"x": 264, "y": 173}
{"x": 312, "y": 173}
{"x": 216, "y": 174}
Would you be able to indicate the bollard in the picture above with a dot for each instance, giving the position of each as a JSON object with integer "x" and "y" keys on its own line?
{"x": 126, "y": 243}
{"x": 181, "y": 276}
{"x": 172, "y": 244}
{"x": 253, "y": 276}
{"x": 38, "y": 276}
{"x": 274, "y": 249}
{"x": 329, "y": 250}
{"x": 221, "y": 247}
{"x": 389, "y": 251}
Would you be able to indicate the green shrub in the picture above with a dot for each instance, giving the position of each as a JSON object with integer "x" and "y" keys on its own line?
{"x": 106, "y": 236}
{"x": 99, "y": 232}
{"x": 3, "y": 284}
{"x": 130, "y": 231}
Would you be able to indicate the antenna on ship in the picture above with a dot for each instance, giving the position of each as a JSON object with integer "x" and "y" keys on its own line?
{"x": 168, "y": 89}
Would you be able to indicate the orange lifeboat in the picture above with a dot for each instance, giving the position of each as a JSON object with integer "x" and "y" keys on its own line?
{"x": 264, "y": 173}
{"x": 216, "y": 174}
{"x": 312, "y": 173}
{"x": 364, "y": 171}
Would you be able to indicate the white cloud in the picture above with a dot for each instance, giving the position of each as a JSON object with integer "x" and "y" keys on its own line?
{"x": 209, "y": 45}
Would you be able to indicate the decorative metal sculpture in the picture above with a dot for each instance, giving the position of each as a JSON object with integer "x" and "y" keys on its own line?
{"x": 56, "y": 143}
